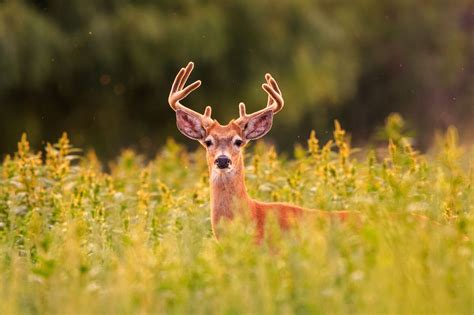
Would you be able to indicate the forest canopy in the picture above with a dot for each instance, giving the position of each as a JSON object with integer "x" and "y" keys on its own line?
{"x": 102, "y": 69}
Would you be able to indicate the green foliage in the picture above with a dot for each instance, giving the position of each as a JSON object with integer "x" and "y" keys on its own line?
{"x": 137, "y": 239}
{"x": 29, "y": 44}
{"x": 102, "y": 69}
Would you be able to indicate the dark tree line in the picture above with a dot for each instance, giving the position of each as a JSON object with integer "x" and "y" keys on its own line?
{"x": 102, "y": 69}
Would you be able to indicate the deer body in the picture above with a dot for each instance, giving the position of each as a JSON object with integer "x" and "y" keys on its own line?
{"x": 229, "y": 197}
{"x": 224, "y": 145}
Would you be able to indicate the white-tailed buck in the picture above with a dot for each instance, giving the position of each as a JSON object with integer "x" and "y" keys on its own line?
{"x": 225, "y": 159}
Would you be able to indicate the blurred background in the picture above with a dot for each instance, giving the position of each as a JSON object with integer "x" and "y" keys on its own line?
{"x": 102, "y": 69}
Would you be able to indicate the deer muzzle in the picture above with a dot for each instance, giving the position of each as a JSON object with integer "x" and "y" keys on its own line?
{"x": 222, "y": 162}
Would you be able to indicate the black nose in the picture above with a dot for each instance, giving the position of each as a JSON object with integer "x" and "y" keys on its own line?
{"x": 222, "y": 161}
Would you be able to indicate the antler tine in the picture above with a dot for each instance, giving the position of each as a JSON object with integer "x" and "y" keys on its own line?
{"x": 242, "y": 110}
{"x": 208, "y": 111}
{"x": 275, "y": 98}
{"x": 275, "y": 101}
{"x": 179, "y": 92}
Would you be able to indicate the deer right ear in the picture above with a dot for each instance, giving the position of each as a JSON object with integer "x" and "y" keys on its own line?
{"x": 258, "y": 125}
{"x": 190, "y": 125}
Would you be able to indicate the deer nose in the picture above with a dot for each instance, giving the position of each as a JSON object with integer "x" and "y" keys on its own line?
{"x": 222, "y": 161}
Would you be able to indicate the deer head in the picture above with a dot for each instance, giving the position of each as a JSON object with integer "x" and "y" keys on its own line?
{"x": 224, "y": 143}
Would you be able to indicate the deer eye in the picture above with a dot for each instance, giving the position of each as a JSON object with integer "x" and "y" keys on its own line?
{"x": 238, "y": 142}
{"x": 208, "y": 143}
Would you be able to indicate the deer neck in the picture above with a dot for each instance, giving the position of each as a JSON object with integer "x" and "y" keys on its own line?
{"x": 228, "y": 193}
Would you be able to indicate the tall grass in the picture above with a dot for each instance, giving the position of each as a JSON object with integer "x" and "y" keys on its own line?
{"x": 77, "y": 240}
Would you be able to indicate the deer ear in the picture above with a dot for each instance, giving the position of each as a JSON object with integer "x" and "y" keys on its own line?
{"x": 190, "y": 125}
{"x": 259, "y": 125}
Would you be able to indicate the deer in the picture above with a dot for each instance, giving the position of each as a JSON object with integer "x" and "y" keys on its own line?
{"x": 224, "y": 146}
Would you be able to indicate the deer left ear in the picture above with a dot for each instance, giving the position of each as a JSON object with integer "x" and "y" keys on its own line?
{"x": 190, "y": 125}
{"x": 259, "y": 125}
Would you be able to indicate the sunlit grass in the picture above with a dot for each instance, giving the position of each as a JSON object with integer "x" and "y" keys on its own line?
{"x": 137, "y": 239}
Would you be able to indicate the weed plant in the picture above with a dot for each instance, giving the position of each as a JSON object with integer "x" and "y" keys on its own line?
{"x": 75, "y": 239}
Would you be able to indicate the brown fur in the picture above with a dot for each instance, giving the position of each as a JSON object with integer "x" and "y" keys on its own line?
{"x": 228, "y": 192}
{"x": 229, "y": 197}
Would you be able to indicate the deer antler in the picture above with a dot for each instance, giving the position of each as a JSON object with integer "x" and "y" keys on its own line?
{"x": 275, "y": 101}
{"x": 179, "y": 92}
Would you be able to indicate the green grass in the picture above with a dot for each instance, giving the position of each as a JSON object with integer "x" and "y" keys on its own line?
{"x": 77, "y": 240}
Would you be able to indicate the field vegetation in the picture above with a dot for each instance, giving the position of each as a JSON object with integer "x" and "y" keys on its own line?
{"x": 134, "y": 237}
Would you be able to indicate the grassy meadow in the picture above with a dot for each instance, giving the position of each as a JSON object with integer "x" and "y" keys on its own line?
{"x": 136, "y": 239}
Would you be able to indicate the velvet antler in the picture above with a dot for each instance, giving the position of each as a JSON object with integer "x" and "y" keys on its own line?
{"x": 275, "y": 101}
{"x": 179, "y": 92}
